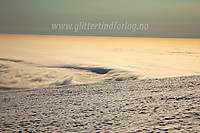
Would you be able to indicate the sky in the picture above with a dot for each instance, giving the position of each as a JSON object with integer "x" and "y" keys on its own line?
{"x": 165, "y": 18}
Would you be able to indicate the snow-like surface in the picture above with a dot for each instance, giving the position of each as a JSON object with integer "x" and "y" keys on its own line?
{"x": 170, "y": 104}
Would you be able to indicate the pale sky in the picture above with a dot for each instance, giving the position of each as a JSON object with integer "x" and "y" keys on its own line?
{"x": 166, "y": 18}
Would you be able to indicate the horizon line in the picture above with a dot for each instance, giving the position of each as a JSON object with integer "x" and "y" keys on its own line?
{"x": 98, "y": 36}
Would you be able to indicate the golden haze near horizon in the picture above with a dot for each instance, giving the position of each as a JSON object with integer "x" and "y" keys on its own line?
{"x": 28, "y": 61}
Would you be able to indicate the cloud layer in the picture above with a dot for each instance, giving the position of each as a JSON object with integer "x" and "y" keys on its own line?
{"x": 20, "y": 74}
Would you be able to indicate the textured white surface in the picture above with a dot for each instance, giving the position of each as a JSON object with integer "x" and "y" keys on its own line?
{"x": 170, "y": 104}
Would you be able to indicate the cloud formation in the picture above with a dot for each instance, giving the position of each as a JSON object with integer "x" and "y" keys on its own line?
{"x": 17, "y": 74}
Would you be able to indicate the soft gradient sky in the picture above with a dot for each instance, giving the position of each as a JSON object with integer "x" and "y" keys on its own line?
{"x": 166, "y": 18}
